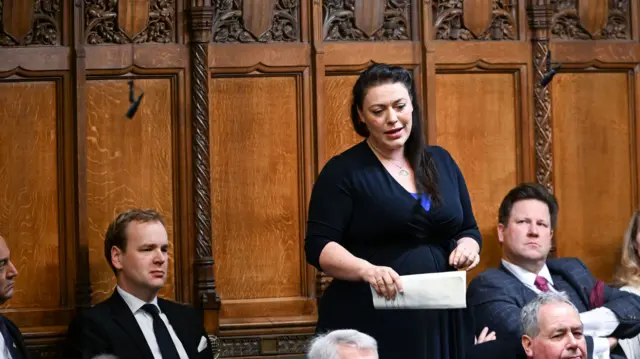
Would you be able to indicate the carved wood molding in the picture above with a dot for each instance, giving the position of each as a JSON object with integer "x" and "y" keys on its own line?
{"x": 449, "y": 23}
{"x": 229, "y": 25}
{"x": 260, "y": 346}
{"x": 565, "y": 23}
{"x": 101, "y": 23}
{"x": 539, "y": 15}
{"x": 45, "y": 28}
{"x": 201, "y": 21}
{"x": 340, "y": 24}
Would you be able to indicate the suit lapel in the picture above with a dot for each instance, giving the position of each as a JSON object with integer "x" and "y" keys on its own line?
{"x": 179, "y": 325}
{"x": 17, "y": 339}
{"x": 563, "y": 281}
{"x": 123, "y": 316}
{"x": 527, "y": 294}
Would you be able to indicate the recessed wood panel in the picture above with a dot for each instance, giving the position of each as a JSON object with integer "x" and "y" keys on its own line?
{"x": 129, "y": 165}
{"x": 29, "y": 190}
{"x": 477, "y": 121}
{"x": 338, "y": 131}
{"x": 592, "y": 163}
{"x": 255, "y": 186}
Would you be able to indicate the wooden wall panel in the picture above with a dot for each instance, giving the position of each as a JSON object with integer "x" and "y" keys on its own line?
{"x": 129, "y": 165}
{"x": 594, "y": 176}
{"x": 256, "y": 179}
{"x": 478, "y": 122}
{"x": 337, "y": 130}
{"x": 29, "y": 207}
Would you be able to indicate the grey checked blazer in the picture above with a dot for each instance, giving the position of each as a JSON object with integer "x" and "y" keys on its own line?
{"x": 496, "y": 298}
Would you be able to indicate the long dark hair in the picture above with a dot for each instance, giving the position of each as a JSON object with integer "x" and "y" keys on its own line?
{"x": 422, "y": 164}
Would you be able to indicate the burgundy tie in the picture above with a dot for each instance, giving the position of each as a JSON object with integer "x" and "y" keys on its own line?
{"x": 542, "y": 284}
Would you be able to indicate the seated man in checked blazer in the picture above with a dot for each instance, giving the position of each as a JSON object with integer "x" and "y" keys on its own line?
{"x": 134, "y": 323}
{"x": 527, "y": 218}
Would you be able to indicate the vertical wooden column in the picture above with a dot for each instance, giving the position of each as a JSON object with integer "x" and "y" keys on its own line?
{"x": 83, "y": 282}
{"x": 201, "y": 16}
{"x": 540, "y": 13}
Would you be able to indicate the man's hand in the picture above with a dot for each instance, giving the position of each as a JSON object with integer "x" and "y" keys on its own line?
{"x": 485, "y": 336}
{"x": 613, "y": 342}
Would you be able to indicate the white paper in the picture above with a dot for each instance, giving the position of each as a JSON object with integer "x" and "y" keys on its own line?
{"x": 446, "y": 290}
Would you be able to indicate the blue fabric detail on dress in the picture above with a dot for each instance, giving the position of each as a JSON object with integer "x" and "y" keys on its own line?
{"x": 425, "y": 201}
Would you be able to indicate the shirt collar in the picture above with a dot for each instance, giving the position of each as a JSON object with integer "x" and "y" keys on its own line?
{"x": 525, "y": 276}
{"x": 134, "y": 303}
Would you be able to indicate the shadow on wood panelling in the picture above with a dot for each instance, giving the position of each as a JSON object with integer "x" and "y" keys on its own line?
{"x": 338, "y": 132}
{"x": 129, "y": 165}
{"x": 257, "y": 195}
{"x": 29, "y": 202}
{"x": 477, "y": 121}
{"x": 594, "y": 165}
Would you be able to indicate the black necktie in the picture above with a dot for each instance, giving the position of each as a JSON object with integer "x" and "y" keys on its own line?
{"x": 167, "y": 348}
{"x": 8, "y": 339}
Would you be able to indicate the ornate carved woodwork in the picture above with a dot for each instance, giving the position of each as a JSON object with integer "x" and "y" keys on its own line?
{"x": 453, "y": 21}
{"x": 201, "y": 22}
{"x": 245, "y": 21}
{"x": 104, "y": 23}
{"x": 366, "y": 20}
{"x": 30, "y": 22}
{"x": 257, "y": 346}
{"x": 593, "y": 20}
{"x": 539, "y": 14}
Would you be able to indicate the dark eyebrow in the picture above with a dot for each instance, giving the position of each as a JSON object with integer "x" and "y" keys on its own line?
{"x": 394, "y": 102}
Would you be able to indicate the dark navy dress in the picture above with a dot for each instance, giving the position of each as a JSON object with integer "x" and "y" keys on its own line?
{"x": 358, "y": 204}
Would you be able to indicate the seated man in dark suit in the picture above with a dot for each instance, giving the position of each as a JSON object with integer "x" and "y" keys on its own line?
{"x": 527, "y": 217}
{"x": 11, "y": 343}
{"x": 134, "y": 323}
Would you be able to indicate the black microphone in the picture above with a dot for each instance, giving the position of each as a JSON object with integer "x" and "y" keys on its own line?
{"x": 548, "y": 76}
{"x": 135, "y": 102}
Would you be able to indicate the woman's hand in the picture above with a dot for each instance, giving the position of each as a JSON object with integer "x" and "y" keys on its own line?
{"x": 384, "y": 280}
{"x": 466, "y": 254}
{"x": 485, "y": 336}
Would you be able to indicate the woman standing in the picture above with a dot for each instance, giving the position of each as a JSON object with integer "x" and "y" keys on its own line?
{"x": 386, "y": 207}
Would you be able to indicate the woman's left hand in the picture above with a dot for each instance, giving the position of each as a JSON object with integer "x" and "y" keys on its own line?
{"x": 466, "y": 254}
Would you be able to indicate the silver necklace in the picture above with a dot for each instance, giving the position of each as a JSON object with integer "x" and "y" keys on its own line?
{"x": 403, "y": 172}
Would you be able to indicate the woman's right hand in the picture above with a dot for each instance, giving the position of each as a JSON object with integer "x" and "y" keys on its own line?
{"x": 384, "y": 280}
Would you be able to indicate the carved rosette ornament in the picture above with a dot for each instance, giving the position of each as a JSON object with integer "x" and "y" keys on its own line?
{"x": 593, "y": 20}
{"x": 201, "y": 16}
{"x": 246, "y": 21}
{"x": 540, "y": 12}
{"x": 30, "y": 22}
{"x": 366, "y": 20}
{"x": 108, "y": 21}
{"x": 454, "y": 22}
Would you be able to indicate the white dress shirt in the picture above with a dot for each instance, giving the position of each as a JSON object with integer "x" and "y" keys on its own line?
{"x": 598, "y": 323}
{"x": 4, "y": 349}
{"x": 145, "y": 321}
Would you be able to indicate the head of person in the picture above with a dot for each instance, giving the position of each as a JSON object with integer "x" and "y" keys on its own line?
{"x": 136, "y": 247}
{"x": 628, "y": 271}
{"x": 527, "y": 218}
{"x": 385, "y": 111}
{"x": 8, "y": 272}
{"x": 552, "y": 328}
{"x": 343, "y": 344}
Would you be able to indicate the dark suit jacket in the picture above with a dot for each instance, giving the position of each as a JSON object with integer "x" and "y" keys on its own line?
{"x": 496, "y": 298}
{"x": 111, "y": 328}
{"x": 17, "y": 339}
